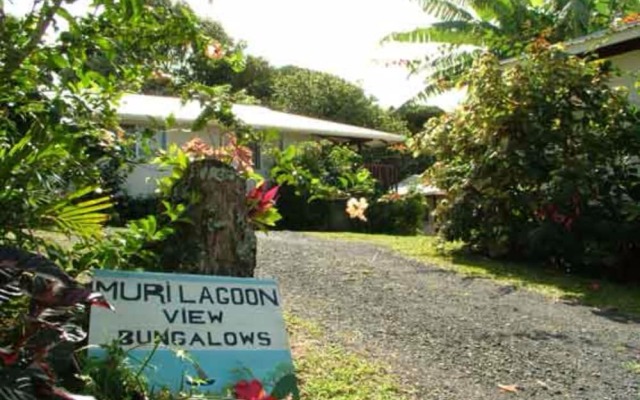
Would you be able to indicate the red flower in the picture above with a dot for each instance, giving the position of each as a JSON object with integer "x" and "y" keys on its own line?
{"x": 252, "y": 390}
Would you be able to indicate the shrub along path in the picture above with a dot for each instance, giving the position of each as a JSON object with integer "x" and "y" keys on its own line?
{"x": 451, "y": 337}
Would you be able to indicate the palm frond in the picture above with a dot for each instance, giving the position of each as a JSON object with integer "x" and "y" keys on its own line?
{"x": 72, "y": 216}
{"x": 450, "y": 32}
{"x": 446, "y": 69}
{"x": 500, "y": 11}
{"x": 574, "y": 16}
{"x": 447, "y": 10}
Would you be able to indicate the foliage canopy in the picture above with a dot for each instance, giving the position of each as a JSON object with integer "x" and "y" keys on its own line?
{"x": 466, "y": 28}
{"x": 541, "y": 161}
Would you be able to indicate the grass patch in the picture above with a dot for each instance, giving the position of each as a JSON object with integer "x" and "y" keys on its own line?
{"x": 329, "y": 372}
{"x": 633, "y": 366}
{"x": 548, "y": 282}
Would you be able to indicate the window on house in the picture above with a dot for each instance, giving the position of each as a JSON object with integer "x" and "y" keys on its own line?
{"x": 257, "y": 155}
{"x": 149, "y": 142}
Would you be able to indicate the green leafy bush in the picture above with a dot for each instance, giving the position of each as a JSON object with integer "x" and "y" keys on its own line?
{"x": 316, "y": 179}
{"x": 398, "y": 215}
{"x": 321, "y": 170}
{"x": 542, "y": 162}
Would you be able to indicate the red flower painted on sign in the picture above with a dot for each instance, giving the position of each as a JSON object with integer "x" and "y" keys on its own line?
{"x": 251, "y": 390}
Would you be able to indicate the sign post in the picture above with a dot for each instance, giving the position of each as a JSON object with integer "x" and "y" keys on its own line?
{"x": 230, "y": 328}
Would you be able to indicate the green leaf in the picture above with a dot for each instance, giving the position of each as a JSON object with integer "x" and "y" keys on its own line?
{"x": 287, "y": 385}
{"x": 445, "y": 10}
{"x": 450, "y": 32}
{"x": 64, "y": 13}
{"x": 58, "y": 60}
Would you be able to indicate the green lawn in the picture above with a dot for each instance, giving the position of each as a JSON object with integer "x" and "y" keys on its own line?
{"x": 450, "y": 256}
{"x": 329, "y": 372}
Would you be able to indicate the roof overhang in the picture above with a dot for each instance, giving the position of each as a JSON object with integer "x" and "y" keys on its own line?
{"x": 145, "y": 109}
{"x": 606, "y": 43}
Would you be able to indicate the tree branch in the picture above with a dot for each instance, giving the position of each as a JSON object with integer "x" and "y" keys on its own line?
{"x": 2, "y": 17}
{"x": 48, "y": 12}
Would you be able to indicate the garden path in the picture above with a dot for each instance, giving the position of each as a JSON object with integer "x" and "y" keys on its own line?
{"x": 451, "y": 337}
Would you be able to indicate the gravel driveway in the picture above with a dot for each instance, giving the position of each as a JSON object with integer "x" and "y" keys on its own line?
{"x": 451, "y": 337}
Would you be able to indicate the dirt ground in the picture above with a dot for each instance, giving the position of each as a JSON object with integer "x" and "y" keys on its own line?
{"x": 450, "y": 337}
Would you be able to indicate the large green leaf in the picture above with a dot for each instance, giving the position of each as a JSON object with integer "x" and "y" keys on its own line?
{"x": 287, "y": 385}
{"x": 497, "y": 10}
{"x": 449, "y": 32}
{"x": 446, "y": 10}
{"x": 81, "y": 218}
{"x": 446, "y": 68}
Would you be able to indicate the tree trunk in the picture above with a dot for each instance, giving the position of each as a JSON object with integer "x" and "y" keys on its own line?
{"x": 218, "y": 240}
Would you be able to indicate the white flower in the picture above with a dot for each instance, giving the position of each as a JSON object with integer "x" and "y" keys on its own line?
{"x": 356, "y": 208}
{"x": 108, "y": 139}
{"x": 214, "y": 51}
{"x": 99, "y": 191}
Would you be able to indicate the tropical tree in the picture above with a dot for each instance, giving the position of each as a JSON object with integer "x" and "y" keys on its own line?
{"x": 416, "y": 114}
{"x": 467, "y": 28}
{"x": 58, "y": 86}
{"x": 574, "y": 18}
{"x": 60, "y": 77}
{"x": 323, "y": 95}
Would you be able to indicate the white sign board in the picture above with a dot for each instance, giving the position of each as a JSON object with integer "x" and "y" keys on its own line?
{"x": 229, "y": 327}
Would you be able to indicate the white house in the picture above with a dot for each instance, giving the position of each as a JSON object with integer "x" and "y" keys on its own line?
{"x": 620, "y": 45}
{"x": 135, "y": 110}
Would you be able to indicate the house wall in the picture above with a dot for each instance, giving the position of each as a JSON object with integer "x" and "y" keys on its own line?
{"x": 285, "y": 140}
{"x": 629, "y": 65}
{"x": 142, "y": 180}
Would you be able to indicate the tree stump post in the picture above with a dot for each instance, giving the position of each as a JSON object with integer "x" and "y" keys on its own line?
{"x": 218, "y": 238}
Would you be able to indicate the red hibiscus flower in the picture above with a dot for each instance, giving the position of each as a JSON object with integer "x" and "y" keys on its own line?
{"x": 251, "y": 390}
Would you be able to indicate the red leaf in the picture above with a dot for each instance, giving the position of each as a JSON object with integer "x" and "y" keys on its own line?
{"x": 270, "y": 194}
{"x": 256, "y": 192}
{"x": 8, "y": 357}
{"x": 98, "y": 300}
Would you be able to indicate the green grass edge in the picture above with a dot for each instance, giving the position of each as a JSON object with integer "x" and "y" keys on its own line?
{"x": 327, "y": 371}
{"x": 552, "y": 284}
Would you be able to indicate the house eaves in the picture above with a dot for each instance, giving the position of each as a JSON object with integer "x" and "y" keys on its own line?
{"x": 145, "y": 109}
{"x": 605, "y": 43}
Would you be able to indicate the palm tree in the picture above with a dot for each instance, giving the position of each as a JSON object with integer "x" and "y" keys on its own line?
{"x": 573, "y": 18}
{"x": 467, "y": 28}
